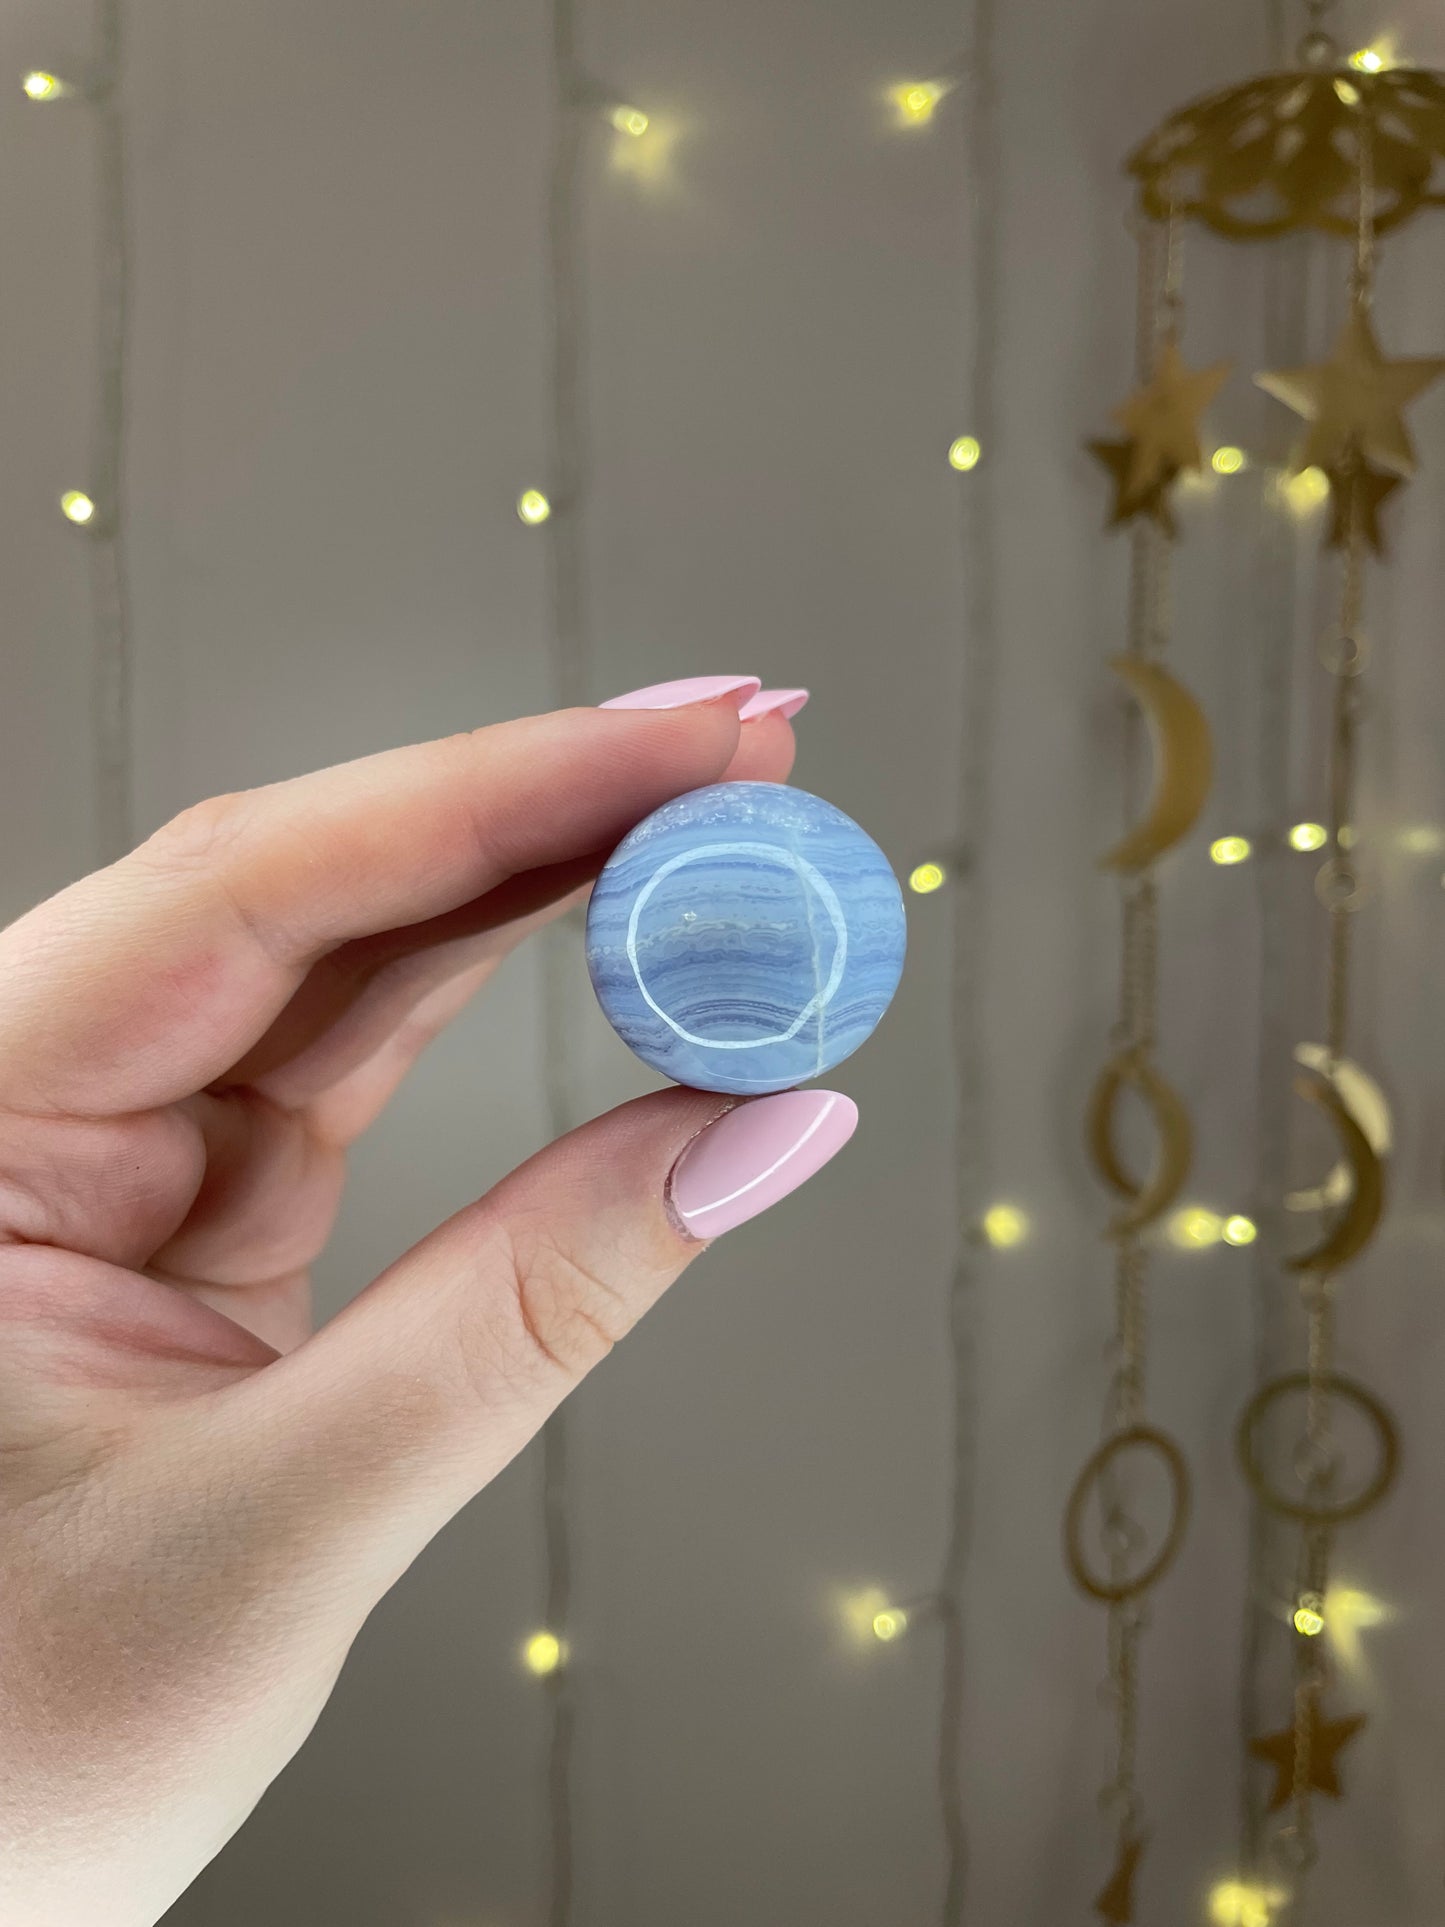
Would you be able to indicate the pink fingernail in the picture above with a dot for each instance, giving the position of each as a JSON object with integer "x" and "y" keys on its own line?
{"x": 689, "y": 689}
{"x": 752, "y": 1156}
{"x": 773, "y": 702}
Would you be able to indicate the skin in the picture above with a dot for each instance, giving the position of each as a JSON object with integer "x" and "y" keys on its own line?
{"x": 200, "y": 1499}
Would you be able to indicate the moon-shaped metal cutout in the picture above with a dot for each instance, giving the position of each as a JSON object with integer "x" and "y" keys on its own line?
{"x": 1151, "y": 1198}
{"x": 1355, "y": 1226}
{"x": 1366, "y": 1104}
{"x": 1183, "y": 759}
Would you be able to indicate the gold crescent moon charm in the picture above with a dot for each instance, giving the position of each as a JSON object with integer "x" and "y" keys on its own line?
{"x": 1184, "y": 764}
{"x": 1355, "y": 1226}
{"x": 1366, "y": 1104}
{"x": 1151, "y": 1198}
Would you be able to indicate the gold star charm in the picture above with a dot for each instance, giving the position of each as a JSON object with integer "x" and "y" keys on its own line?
{"x": 1152, "y": 501}
{"x": 1354, "y": 401}
{"x": 1161, "y": 419}
{"x": 1375, "y": 488}
{"x": 1115, "y": 1902}
{"x": 1326, "y": 1737}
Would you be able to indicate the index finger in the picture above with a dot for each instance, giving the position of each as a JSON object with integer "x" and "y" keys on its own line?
{"x": 144, "y": 982}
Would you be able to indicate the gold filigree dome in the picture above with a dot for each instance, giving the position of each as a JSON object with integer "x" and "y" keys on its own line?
{"x": 1283, "y": 152}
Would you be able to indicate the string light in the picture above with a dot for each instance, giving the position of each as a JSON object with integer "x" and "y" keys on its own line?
{"x": 1308, "y": 836}
{"x": 890, "y": 1624}
{"x": 1244, "y": 1903}
{"x": 925, "y": 878}
{"x": 1423, "y": 839}
{"x": 39, "y": 85}
{"x": 533, "y": 507}
{"x": 1229, "y": 849}
{"x": 542, "y": 1654}
{"x": 630, "y": 120}
{"x": 1306, "y": 490}
{"x": 1367, "y": 60}
{"x": 916, "y": 100}
{"x": 1195, "y": 1227}
{"x": 1004, "y": 1225}
{"x": 963, "y": 454}
{"x": 76, "y": 506}
{"x": 1239, "y": 1230}
{"x": 1309, "y": 1615}
{"x": 1228, "y": 460}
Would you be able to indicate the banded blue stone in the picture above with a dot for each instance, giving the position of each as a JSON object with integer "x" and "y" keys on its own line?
{"x": 745, "y": 937}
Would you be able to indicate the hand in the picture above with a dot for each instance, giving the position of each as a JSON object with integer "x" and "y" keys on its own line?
{"x": 200, "y": 1503}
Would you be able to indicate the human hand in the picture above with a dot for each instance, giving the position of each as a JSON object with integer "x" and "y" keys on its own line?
{"x": 200, "y": 1502}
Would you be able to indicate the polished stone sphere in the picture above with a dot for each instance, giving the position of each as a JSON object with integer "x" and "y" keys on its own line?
{"x": 745, "y": 937}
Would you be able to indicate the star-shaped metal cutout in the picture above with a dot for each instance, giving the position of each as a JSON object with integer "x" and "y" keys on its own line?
{"x": 1115, "y": 1902}
{"x": 1355, "y": 400}
{"x": 1374, "y": 486}
{"x": 1152, "y": 501}
{"x": 1326, "y": 1737}
{"x": 1161, "y": 419}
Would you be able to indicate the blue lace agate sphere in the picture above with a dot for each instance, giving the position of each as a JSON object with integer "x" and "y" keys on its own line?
{"x": 745, "y": 937}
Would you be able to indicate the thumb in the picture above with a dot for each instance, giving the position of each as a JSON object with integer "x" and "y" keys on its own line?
{"x": 352, "y": 1451}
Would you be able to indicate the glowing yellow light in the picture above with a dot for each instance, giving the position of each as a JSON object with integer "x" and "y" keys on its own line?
{"x": 1423, "y": 839}
{"x": 964, "y": 453}
{"x": 76, "y": 506}
{"x": 629, "y": 120}
{"x": 43, "y": 86}
{"x": 1306, "y": 490}
{"x": 1367, "y": 60}
{"x": 1309, "y": 1618}
{"x": 1005, "y": 1225}
{"x": 916, "y": 100}
{"x": 891, "y": 1623}
{"x": 1229, "y": 849}
{"x": 1227, "y": 461}
{"x": 542, "y": 1654}
{"x": 926, "y": 878}
{"x": 1195, "y": 1227}
{"x": 1244, "y": 1903}
{"x": 1239, "y": 1230}
{"x": 533, "y": 506}
{"x": 1308, "y": 836}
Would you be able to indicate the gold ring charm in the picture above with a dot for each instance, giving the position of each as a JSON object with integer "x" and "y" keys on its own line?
{"x": 1150, "y": 1439}
{"x": 1353, "y": 1394}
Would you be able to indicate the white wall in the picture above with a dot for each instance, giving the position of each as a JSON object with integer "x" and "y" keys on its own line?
{"x": 339, "y": 383}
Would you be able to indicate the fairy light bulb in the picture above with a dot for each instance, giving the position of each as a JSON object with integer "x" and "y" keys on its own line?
{"x": 1367, "y": 60}
{"x": 1228, "y": 460}
{"x": 1229, "y": 849}
{"x": 1004, "y": 1226}
{"x": 926, "y": 878}
{"x": 1244, "y": 1903}
{"x": 916, "y": 100}
{"x": 1239, "y": 1230}
{"x": 1306, "y": 490}
{"x": 963, "y": 454}
{"x": 76, "y": 506}
{"x": 890, "y": 1624}
{"x": 1309, "y": 1615}
{"x": 542, "y": 1654}
{"x": 39, "y": 85}
{"x": 1308, "y": 836}
{"x": 1195, "y": 1227}
{"x": 629, "y": 120}
{"x": 533, "y": 507}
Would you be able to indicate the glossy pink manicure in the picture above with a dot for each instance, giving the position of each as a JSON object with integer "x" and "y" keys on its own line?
{"x": 689, "y": 689}
{"x": 771, "y": 702}
{"x": 752, "y": 1156}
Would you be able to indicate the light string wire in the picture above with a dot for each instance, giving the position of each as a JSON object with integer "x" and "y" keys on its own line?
{"x": 570, "y": 683}
{"x": 112, "y": 662}
{"x": 1275, "y": 600}
{"x": 970, "y": 934}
